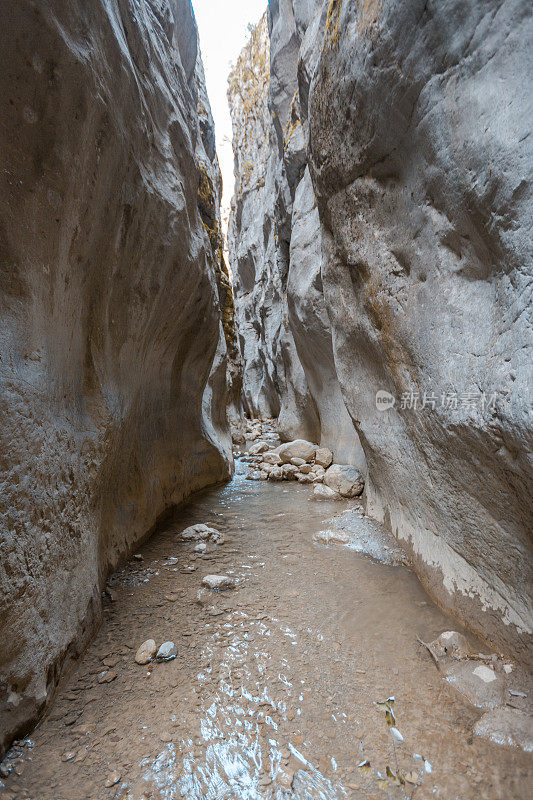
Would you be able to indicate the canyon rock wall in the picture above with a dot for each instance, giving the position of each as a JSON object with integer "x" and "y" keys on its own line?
{"x": 113, "y": 347}
{"x": 403, "y": 219}
{"x": 274, "y": 242}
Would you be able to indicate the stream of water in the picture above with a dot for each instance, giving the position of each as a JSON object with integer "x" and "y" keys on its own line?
{"x": 273, "y": 692}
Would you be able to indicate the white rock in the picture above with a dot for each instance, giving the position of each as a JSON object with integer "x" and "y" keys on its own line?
{"x": 200, "y": 548}
{"x": 344, "y": 479}
{"x": 257, "y": 448}
{"x": 298, "y": 462}
{"x": 321, "y": 492}
{"x": 272, "y": 458}
{"x": 218, "y": 583}
{"x": 323, "y": 457}
{"x": 275, "y": 474}
{"x": 257, "y": 475}
{"x": 167, "y": 651}
{"x": 197, "y": 532}
{"x": 300, "y": 448}
{"x": 289, "y": 472}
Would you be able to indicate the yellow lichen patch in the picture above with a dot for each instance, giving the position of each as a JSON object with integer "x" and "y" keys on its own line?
{"x": 332, "y": 23}
{"x": 369, "y": 11}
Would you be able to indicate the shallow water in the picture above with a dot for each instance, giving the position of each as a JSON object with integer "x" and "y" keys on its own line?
{"x": 272, "y": 694}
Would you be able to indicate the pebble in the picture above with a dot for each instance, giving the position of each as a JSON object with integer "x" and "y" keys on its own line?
{"x": 112, "y": 780}
{"x": 108, "y": 676}
{"x": 172, "y": 597}
{"x": 167, "y": 651}
{"x": 146, "y": 652}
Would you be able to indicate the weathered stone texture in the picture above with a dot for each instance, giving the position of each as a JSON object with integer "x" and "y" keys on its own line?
{"x": 109, "y": 314}
{"x": 421, "y": 165}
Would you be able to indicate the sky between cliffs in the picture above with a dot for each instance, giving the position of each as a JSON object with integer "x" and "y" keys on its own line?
{"x": 223, "y": 27}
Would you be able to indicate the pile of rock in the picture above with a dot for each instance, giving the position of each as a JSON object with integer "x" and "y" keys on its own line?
{"x": 305, "y": 462}
{"x": 256, "y": 429}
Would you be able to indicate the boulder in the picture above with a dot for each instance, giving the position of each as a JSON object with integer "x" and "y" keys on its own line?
{"x": 297, "y": 449}
{"x": 166, "y": 652}
{"x": 197, "y": 532}
{"x": 345, "y": 480}
{"x": 257, "y": 475}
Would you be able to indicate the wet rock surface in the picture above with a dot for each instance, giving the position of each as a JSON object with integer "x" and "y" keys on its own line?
{"x": 278, "y": 690}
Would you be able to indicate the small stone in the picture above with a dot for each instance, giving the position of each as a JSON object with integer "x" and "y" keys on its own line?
{"x": 289, "y": 472}
{"x": 166, "y": 737}
{"x": 167, "y": 651}
{"x": 257, "y": 475}
{"x": 276, "y": 474}
{"x": 304, "y": 478}
{"x": 305, "y": 469}
{"x": 68, "y": 756}
{"x": 138, "y": 557}
{"x": 323, "y": 457}
{"x": 108, "y": 676}
{"x": 146, "y": 652}
{"x": 200, "y": 548}
{"x": 110, "y": 661}
{"x": 112, "y": 780}
{"x": 218, "y": 583}
{"x": 257, "y": 448}
{"x": 172, "y": 597}
{"x": 298, "y": 462}
{"x": 272, "y": 458}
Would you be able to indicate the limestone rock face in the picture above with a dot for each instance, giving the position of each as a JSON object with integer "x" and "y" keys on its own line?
{"x": 421, "y": 166}
{"x": 113, "y": 355}
{"x": 388, "y": 255}
{"x": 274, "y": 240}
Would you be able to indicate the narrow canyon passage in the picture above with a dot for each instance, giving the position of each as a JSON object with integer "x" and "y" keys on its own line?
{"x": 273, "y": 690}
{"x": 266, "y": 420}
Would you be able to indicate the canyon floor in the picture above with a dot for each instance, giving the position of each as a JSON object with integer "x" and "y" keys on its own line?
{"x": 274, "y": 688}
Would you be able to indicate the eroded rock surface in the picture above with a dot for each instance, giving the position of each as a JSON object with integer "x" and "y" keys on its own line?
{"x": 402, "y": 274}
{"x": 274, "y": 242}
{"x": 420, "y": 159}
{"x": 113, "y": 355}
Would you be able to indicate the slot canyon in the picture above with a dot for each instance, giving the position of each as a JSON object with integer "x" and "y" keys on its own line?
{"x": 266, "y": 523}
